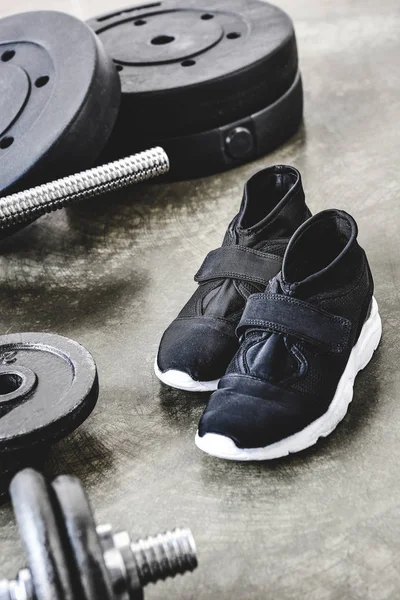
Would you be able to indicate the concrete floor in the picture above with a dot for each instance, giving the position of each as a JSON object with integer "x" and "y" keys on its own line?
{"x": 324, "y": 524}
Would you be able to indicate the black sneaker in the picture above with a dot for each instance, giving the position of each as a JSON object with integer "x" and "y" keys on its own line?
{"x": 200, "y": 343}
{"x": 303, "y": 342}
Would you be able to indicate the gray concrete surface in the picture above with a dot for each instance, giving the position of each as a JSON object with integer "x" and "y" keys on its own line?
{"x": 322, "y": 525}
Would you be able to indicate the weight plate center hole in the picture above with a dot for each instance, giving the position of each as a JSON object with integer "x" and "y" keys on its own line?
{"x": 139, "y": 22}
{"x": 169, "y": 37}
{"x": 207, "y": 17}
{"x": 160, "y": 40}
{"x": 9, "y": 382}
{"x": 234, "y": 35}
{"x": 188, "y": 63}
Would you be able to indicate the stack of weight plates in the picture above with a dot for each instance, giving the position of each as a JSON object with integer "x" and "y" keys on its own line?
{"x": 216, "y": 83}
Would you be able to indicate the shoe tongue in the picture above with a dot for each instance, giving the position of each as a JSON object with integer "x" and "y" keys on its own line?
{"x": 273, "y": 206}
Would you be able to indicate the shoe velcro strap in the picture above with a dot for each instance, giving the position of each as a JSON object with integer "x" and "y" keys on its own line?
{"x": 283, "y": 314}
{"x": 239, "y": 262}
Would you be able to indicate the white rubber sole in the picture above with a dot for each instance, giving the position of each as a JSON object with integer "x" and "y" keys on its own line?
{"x": 183, "y": 381}
{"x": 223, "y": 447}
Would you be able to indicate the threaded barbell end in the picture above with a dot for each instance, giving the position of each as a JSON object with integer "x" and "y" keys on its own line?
{"x": 165, "y": 555}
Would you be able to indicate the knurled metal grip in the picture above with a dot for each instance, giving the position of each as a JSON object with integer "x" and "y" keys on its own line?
{"x": 30, "y": 204}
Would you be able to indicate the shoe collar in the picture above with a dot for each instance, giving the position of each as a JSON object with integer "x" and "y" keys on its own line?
{"x": 258, "y": 199}
{"x": 313, "y": 238}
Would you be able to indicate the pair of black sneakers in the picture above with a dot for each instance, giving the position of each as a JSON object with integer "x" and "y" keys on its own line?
{"x": 281, "y": 323}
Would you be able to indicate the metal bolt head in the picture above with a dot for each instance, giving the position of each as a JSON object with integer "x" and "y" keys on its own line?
{"x": 239, "y": 143}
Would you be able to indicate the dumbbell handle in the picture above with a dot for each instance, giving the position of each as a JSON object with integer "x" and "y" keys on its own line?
{"x": 148, "y": 561}
{"x": 34, "y": 202}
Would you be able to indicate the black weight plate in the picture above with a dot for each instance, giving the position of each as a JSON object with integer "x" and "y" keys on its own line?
{"x": 230, "y": 145}
{"x": 41, "y": 536}
{"x": 191, "y": 65}
{"x": 59, "y": 98}
{"x": 48, "y": 387}
{"x": 216, "y": 83}
{"x": 83, "y": 539}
